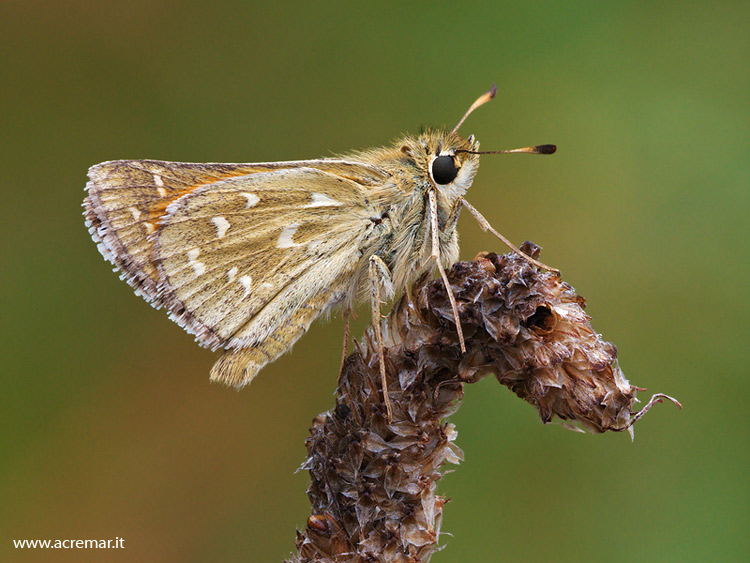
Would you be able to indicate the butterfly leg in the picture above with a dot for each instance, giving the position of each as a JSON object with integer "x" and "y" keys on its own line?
{"x": 380, "y": 277}
{"x": 485, "y": 226}
{"x": 345, "y": 347}
{"x": 436, "y": 256}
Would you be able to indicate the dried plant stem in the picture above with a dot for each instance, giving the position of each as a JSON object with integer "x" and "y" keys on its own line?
{"x": 373, "y": 483}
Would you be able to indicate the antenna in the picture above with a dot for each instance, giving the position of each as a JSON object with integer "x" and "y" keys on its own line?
{"x": 537, "y": 149}
{"x": 481, "y": 100}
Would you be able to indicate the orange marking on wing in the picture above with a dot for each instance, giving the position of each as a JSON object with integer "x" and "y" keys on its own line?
{"x": 158, "y": 209}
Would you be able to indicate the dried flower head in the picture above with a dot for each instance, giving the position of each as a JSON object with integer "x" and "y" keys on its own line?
{"x": 373, "y": 483}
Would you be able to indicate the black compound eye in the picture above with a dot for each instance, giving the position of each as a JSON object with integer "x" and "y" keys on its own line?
{"x": 444, "y": 169}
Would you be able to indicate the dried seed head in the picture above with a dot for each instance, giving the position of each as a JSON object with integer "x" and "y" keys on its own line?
{"x": 373, "y": 483}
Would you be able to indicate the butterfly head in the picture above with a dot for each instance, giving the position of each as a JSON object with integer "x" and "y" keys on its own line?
{"x": 445, "y": 160}
{"x": 452, "y": 161}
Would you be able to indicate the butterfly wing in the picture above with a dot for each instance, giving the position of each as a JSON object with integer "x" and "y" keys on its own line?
{"x": 128, "y": 198}
{"x": 243, "y": 256}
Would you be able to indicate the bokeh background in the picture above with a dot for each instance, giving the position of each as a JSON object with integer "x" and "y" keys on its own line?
{"x": 109, "y": 424}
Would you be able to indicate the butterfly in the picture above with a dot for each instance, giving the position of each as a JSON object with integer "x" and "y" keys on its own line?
{"x": 246, "y": 256}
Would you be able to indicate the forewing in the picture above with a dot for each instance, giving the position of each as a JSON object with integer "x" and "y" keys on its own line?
{"x": 127, "y": 200}
{"x": 237, "y": 259}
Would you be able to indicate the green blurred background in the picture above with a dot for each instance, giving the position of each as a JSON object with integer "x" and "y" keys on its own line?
{"x": 110, "y": 426}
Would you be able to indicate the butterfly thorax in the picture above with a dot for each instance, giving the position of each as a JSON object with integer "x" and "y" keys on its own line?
{"x": 401, "y": 234}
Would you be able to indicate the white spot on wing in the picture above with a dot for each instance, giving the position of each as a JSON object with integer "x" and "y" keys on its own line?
{"x": 135, "y": 213}
{"x": 285, "y": 238}
{"x": 252, "y": 199}
{"x": 198, "y": 267}
{"x": 158, "y": 181}
{"x": 232, "y": 273}
{"x": 150, "y": 227}
{"x": 322, "y": 200}
{"x": 246, "y": 282}
{"x": 222, "y": 226}
{"x": 162, "y": 192}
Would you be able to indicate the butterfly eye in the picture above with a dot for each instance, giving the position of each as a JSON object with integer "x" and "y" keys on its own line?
{"x": 444, "y": 170}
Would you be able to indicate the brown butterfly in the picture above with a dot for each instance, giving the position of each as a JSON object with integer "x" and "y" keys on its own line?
{"x": 247, "y": 256}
